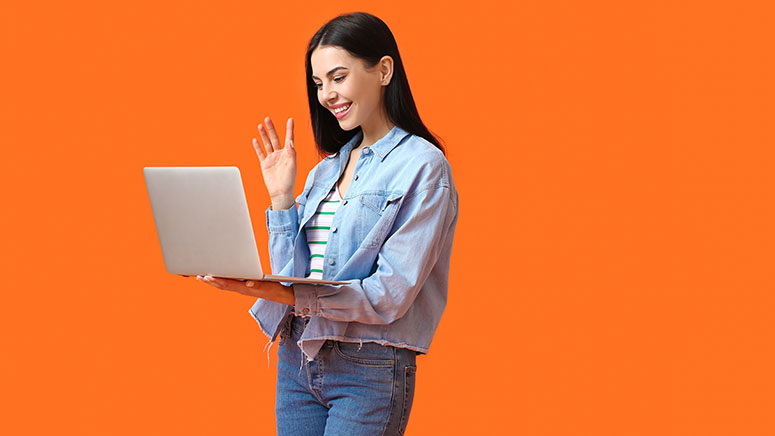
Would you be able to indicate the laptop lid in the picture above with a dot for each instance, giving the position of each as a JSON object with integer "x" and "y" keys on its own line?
{"x": 202, "y": 221}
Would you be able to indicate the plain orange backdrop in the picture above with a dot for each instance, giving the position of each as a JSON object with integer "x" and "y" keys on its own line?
{"x": 612, "y": 267}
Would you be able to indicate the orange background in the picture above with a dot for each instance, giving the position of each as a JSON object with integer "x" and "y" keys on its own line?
{"x": 614, "y": 165}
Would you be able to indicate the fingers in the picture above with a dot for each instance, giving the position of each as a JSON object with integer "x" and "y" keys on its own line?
{"x": 272, "y": 133}
{"x": 259, "y": 152}
{"x": 210, "y": 280}
{"x": 227, "y": 284}
{"x": 289, "y": 134}
{"x": 265, "y": 139}
{"x": 271, "y": 140}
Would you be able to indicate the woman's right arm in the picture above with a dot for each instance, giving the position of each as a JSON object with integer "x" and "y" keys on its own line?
{"x": 278, "y": 167}
{"x": 283, "y": 226}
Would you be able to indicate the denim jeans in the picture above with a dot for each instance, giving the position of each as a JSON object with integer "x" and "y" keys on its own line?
{"x": 349, "y": 389}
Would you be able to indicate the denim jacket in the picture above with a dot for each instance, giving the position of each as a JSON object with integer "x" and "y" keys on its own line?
{"x": 391, "y": 241}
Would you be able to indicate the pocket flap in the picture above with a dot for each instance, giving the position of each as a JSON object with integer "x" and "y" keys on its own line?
{"x": 378, "y": 202}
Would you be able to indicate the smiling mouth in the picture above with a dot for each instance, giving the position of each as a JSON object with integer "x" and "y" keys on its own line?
{"x": 342, "y": 111}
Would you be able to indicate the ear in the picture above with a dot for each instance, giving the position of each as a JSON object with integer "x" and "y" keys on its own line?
{"x": 386, "y": 70}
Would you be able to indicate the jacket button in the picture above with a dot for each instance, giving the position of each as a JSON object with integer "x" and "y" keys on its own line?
{"x": 344, "y": 202}
{"x": 356, "y": 177}
{"x": 333, "y": 229}
{"x": 330, "y": 261}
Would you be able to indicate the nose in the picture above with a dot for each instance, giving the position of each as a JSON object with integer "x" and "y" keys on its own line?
{"x": 326, "y": 94}
{"x": 330, "y": 96}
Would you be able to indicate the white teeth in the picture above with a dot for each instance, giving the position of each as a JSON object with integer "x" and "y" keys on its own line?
{"x": 341, "y": 109}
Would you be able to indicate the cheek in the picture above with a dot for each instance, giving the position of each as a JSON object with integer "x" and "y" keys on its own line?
{"x": 367, "y": 95}
{"x": 353, "y": 88}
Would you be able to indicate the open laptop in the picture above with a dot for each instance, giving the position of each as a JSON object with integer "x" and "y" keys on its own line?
{"x": 203, "y": 224}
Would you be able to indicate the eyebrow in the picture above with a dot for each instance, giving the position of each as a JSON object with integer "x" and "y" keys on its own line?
{"x": 333, "y": 70}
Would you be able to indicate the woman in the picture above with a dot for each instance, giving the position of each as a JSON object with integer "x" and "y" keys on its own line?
{"x": 378, "y": 212}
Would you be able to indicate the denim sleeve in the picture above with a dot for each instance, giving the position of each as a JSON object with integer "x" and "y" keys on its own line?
{"x": 423, "y": 226}
{"x": 283, "y": 225}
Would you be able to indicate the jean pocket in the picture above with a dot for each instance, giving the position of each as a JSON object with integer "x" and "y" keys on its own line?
{"x": 282, "y": 336}
{"x": 366, "y": 353}
{"x": 410, "y": 372}
{"x": 297, "y": 325}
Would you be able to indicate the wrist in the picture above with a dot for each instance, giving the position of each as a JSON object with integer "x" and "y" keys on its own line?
{"x": 285, "y": 294}
{"x": 283, "y": 202}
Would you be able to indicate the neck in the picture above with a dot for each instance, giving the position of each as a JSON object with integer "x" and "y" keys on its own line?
{"x": 375, "y": 130}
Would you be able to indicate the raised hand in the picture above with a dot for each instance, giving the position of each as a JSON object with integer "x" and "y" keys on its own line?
{"x": 278, "y": 163}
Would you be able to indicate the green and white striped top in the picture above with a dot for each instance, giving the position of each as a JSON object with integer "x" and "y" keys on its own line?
{"x": 318, "y": 229}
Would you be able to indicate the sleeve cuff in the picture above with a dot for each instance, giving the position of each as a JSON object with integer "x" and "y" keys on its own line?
{"x": 281, "y": 221}
{"x": 306, "y": 299}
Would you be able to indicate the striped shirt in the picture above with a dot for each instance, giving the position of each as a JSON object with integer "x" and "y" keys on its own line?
{"x": 317, "y": 230}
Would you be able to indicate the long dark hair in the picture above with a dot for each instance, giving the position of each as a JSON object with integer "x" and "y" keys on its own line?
{"x": 366, "y": 37}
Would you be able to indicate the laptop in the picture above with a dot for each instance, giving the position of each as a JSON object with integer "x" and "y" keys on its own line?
{"x": 203, "y": 224}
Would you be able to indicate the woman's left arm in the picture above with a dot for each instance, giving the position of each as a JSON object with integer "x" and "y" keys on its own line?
{"x": 422, "y": 232}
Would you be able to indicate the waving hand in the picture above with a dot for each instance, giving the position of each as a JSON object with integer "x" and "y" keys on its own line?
{"x": 278, "y": 163}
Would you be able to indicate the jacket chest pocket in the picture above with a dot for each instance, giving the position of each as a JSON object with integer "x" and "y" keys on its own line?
{"x": 376, "y": 214}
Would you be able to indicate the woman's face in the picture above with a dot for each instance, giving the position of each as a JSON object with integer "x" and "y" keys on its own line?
{"x": 346, "y": 88}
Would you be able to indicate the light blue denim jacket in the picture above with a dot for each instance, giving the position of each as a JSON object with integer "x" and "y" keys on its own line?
{"x": 391, "y": 240}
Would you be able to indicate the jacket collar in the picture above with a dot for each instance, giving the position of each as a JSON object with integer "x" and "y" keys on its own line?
{"x": 387, "y": 143}
{"x": 381, "y": 148}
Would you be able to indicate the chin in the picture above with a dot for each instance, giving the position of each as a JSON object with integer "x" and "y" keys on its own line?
{"x": 347, "y": 127}
{"x": 348, "y": 123}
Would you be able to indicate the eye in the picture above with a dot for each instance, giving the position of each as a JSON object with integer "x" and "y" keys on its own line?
{"x": 337, "y": 79}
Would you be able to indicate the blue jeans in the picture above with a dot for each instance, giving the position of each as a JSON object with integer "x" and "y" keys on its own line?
{"x": 349, "y": 389}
